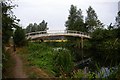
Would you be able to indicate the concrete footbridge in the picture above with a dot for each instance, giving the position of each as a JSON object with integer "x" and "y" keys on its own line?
{"x": 42, "y": 34}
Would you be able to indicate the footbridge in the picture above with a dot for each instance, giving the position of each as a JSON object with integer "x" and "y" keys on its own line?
{"x": 42, "y": 34}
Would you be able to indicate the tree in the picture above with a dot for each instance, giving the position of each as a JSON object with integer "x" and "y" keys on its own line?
{"x": 75, "y": 20}
{"x": 19, "y": 37}
{"x": 42, "y": 26}
{"x": 110, "y": 27}
{"x": 37, "y": 27}
{"x": 71, "y": 18}
{"x": 29, "y": 28}
{"x": 92, "y": 20}
{"x": 79, "y": 23}
{"x": 118, "y": 20}
{"x": 34, "y": 27}
{"x": 9, "y": 21}
{"x": 100, "y": 24}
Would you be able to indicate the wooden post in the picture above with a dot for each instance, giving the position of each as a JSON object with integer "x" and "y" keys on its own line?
{"x": 82, "y": 42}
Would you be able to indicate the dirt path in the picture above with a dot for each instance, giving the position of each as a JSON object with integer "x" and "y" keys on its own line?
{"x": 18, "y": 66}
{"x": 18, "y": 69}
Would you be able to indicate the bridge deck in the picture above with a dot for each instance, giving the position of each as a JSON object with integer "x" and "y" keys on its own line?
{"x": 34, "y": 35}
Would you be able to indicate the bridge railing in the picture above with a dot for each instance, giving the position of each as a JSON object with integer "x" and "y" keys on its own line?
{"x": 78, "y": 32}
{"x": 56, "y": 32}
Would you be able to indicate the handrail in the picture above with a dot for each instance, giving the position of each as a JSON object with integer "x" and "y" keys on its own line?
{"x": 57, "y": 32}
{"x": 65, "y": 31}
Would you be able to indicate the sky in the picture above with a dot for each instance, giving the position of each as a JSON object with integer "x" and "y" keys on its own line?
{"x": 55, "y": 12}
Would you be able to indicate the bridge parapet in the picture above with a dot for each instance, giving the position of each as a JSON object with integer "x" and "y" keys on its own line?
{"x": 57, "y": 33}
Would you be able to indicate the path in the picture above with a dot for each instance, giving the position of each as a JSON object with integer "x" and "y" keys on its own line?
{"x": 18, "y": 68}
{"x": 18, "y": 71}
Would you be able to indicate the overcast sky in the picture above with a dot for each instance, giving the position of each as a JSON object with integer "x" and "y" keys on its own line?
{"x": 55, "y": 12}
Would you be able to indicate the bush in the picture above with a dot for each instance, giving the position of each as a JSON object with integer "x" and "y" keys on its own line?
{"x": 41, "y": 55}
{"x": 63, "y": 62}
{"x": 19, "y": 37}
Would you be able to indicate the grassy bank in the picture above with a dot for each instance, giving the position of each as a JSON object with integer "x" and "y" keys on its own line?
{"x": 41, "y": 55}
{"x": 37, "y": 57}
{"x": 7, "y": 64}
{"x": 43, "y": 60}
{"x": 54, "y": 62}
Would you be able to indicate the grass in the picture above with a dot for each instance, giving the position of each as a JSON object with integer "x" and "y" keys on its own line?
{"x": 39, "y": 56}
{"x": 42, "y": 56}
{"x": 7, "y": 64}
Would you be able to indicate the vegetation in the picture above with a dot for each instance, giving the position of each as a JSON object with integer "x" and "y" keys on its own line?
{"x": 105, "y": 39}
{"x": 75, "y": 20}
{"x": 19, "y": 37}
{"x": 7, "y": 64}
{"x": 41, "y": 56}
{"x": 101, "y": 38}
{"x": 105, "y": 42}
{"x": 118, "y": 20}
{"x": 92, "y": 21}
{"x": 63, "y": 63}
{"x": 9, "y": 21}
{"x": 60, "y": 62}
{"x": 37, "y": 27}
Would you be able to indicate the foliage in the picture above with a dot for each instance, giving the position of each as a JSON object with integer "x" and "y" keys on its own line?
{"x": 118, "y": 20}
{"x": 105, "y": 39}
{"x": 117, "y": 32}
{"x": 7, "y": 64}
{"x": 92, "y": 21}
{"x": 19, "y": 37}
{"x": 63, "y": 62}
{"x": 78, "y": 74}
{"x": 75, "y": 20}
{"x": 37, "y": 27}
{"x": 9, "y": 21}
{"x": 81, "y": 74}
{"x": 57, "y": 62}
{"x": 87, "y": 44}
{"x": 41, "y": 56}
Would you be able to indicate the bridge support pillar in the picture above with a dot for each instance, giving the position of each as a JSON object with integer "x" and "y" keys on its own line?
{"x": 82, "y": 42}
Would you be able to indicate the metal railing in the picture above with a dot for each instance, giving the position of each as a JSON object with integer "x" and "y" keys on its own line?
{"x": 57, "y": 32}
